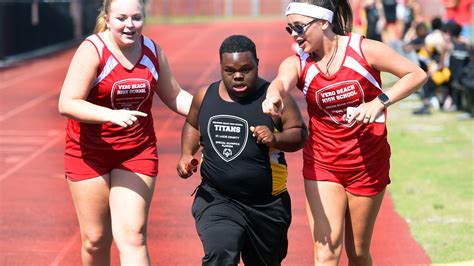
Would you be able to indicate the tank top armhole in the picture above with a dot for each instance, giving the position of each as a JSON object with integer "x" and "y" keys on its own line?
{"x": 209, "y": 89}
{"x": 355, "y": 42}
{"x": 151, "y": 45}
{"x": 300, "y": 83}
{"x": 99, "y": 46}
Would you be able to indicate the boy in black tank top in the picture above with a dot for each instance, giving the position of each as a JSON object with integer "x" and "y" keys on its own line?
{"x": 242, "y": 207}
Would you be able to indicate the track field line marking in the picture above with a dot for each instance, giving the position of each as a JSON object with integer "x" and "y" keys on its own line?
{"x": 32, "y": 156}
{"x": 22, "y": 140}
{"x": 17, "y": 133}
{"x": 66, "y": 249}
{"x": 17, "y": 149}
{"x": 27, "y": 105}
{"x": 7, "y": 83}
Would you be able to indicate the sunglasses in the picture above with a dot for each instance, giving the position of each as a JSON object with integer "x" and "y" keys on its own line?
{"x": 299, "y": 28}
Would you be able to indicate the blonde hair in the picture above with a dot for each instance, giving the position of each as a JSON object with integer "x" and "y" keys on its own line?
{"x": 101, "y": 21}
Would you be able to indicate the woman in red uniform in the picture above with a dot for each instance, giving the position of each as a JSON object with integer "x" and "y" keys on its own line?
{"x": 346, "y": 157}
{"x": 111, "y": 158}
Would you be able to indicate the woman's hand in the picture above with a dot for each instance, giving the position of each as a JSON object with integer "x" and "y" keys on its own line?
{"x": 272, "y": 105}
{"x": 367, "y": 113}
{"x": 125, "y": 118}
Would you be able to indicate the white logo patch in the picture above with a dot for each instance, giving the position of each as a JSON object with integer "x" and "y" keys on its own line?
{"x": 228, "y": 135}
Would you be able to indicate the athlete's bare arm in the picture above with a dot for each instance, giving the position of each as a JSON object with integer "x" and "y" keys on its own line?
{"x": 190, "y": 135}
{"x": 383, "y": 58}
{"x": 77, "y": 84}
{"x": 285, "y": 81}
{"x": 294, "y": 131}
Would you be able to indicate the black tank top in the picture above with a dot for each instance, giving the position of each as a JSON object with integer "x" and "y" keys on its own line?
{"x": 233, "y": 162}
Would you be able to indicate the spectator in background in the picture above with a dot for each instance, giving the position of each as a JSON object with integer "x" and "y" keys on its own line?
{"x": 467, "y": 84}
{"x": 111, "y": 159}
{"x": 391, "y": 31}
{"x": 411, "y": 10}
{"x": 434, "y": 56}
{"x": 418, "y": 42}
{"x": 460, "y": 11}
{"x": 411, "y": 46}
{"x": 458, "y": 59}
{"x": 375, "y": 19}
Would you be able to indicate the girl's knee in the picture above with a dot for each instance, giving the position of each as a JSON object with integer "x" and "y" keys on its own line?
{"x": 325, "y": 254}
{"x": 130, "y": 238}
{"x": 95, "y": 241}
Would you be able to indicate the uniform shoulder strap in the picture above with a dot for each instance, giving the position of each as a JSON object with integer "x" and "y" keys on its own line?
{"x": 355, "y": 41}
{"x": 98, "y": 44}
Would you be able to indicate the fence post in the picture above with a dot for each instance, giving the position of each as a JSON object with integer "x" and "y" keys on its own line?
{"x": 284, "y": 4}
{"x": 255, "y": 8}
{"x": 228, "y": 8}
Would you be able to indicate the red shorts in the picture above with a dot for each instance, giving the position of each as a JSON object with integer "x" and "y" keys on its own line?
{"x": 97, "y": 163}
{"x": 363, "y": 182}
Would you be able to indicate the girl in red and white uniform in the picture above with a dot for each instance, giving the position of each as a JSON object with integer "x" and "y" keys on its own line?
{"x": 111, "y": 158}
{"x": 346, "y": 157}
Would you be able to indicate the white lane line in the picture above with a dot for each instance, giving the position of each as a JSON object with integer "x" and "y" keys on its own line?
{"x": 17, "y": 133}
{"x": 27, "y": 105}
{"x": 16, "y": 141}
{"x": 62, "y": 254}
{"x": 32, "y": 156}
{"x": 8, "y": 83}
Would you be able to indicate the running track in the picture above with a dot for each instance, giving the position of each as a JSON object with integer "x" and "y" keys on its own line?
{"x": 37, "y": 220}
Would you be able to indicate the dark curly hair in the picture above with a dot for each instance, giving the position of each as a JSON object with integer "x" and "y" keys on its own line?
{"x": 238, "y": 44}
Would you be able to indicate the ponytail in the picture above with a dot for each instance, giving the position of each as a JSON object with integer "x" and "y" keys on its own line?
{"x": 342, "y": 18}
{"x": 101, "y": 24}
{"x": 342, "y": 21}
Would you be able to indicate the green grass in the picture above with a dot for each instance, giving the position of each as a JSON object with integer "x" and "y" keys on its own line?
{"x": 432, "y": 178}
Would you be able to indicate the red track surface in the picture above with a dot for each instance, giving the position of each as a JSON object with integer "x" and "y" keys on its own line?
{"x": 37, "y": 221}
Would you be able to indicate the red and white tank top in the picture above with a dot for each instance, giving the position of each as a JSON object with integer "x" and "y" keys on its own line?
{"x": 118, "y": 88}
{"x": 333, "y": 143}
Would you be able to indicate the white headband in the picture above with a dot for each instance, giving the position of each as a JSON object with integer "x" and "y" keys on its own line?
{"x": 309, "y": 10}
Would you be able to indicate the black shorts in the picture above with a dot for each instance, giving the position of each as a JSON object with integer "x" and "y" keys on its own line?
{"x": 229, "y": 228}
